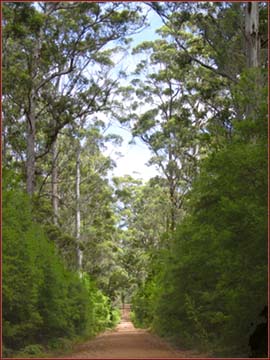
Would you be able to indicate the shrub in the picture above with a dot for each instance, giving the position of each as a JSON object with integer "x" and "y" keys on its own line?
{"x": 33, "y": 350}
{"x": 42, "y": 299}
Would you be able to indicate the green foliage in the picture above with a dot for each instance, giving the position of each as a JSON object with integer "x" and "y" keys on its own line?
{"x": 22, "y": 277}
{"x": 65, "y": 243}
{"x": 115, "y": 317}
{"x": 59, "y": 344}
{"x": 29, "y": 351}
{"x": 215, "y": 280}
{"x": 42, "y": 300}
{"x": 143, "y": 303}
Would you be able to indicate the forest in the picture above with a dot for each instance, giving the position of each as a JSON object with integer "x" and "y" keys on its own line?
{"x": 187, "y": 248}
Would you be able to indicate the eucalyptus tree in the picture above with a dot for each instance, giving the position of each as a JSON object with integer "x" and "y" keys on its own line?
{"x": 186, "y": 99}
{"x": 221, "y": 39}
{"x": 209, "y": 36}
{"x": 181, "y": 103}
{"x": 45, "y": 42}
{"x": 230, "y": 32}
{"x": 162, "y": 115}
{"x": 86, "y": 203}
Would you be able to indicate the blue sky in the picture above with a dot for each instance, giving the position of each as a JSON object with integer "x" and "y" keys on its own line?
{"x": 134, "y": 156}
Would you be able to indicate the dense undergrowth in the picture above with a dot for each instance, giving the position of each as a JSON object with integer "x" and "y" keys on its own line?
{"x": 208, "y": 289}
{"x": 45, "y": 305}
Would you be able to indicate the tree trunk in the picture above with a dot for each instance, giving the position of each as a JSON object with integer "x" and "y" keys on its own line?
{"x": 173, "y": 207}
{"x": 171, "y": 183}
{"x": 31, "y": 137}
{"x": 54, "y": 152}
{"x": 78, "y": 211}
{"x": 4, "y": 143}
{"x": 252, "y": 34}
{"x": 252, "y": 50}
{"x": 54, "y": 183}
{"x": 31, "y": 117}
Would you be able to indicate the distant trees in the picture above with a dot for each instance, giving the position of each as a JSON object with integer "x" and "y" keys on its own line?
{"x": 144, "y": 217}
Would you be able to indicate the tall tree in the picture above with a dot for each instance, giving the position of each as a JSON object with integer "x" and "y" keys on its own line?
{"x": 46, "y": 42}
{"x": 167, "y": 125}
{"x": 78, "y": 206}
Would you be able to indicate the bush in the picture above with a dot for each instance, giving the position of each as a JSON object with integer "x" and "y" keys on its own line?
{"x": 22, "y": 278}
{"x": 34, "y": 350}
{"x": 42, "y": 299}
{"x": 61, "y": 344}
{"x": 214, "y": 281}
{"x": 115, "y": 317}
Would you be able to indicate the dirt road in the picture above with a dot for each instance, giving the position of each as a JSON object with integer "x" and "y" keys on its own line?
{"x": 126, "y": 342}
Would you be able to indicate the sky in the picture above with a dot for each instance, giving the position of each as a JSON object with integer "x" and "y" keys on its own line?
{"x": 134, "y": 156}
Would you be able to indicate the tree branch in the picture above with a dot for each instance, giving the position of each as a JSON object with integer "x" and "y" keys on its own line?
{"x": 57, "y": 74}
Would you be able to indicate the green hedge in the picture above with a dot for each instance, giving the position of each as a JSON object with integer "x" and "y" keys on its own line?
{"x": 42, "y": 300}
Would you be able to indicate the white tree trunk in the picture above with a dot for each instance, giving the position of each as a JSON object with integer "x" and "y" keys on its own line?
{"x": 252, "y": 34}
{"x": 54, "y": 151}
{"x": 252, "y": 49}
{"x": 31, "y": 118}
{"x": 30, "y": 152}
{"x": 78, "y": 211}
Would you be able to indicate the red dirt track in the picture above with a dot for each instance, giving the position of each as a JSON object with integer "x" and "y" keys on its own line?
{"x": 127, "y": 342}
